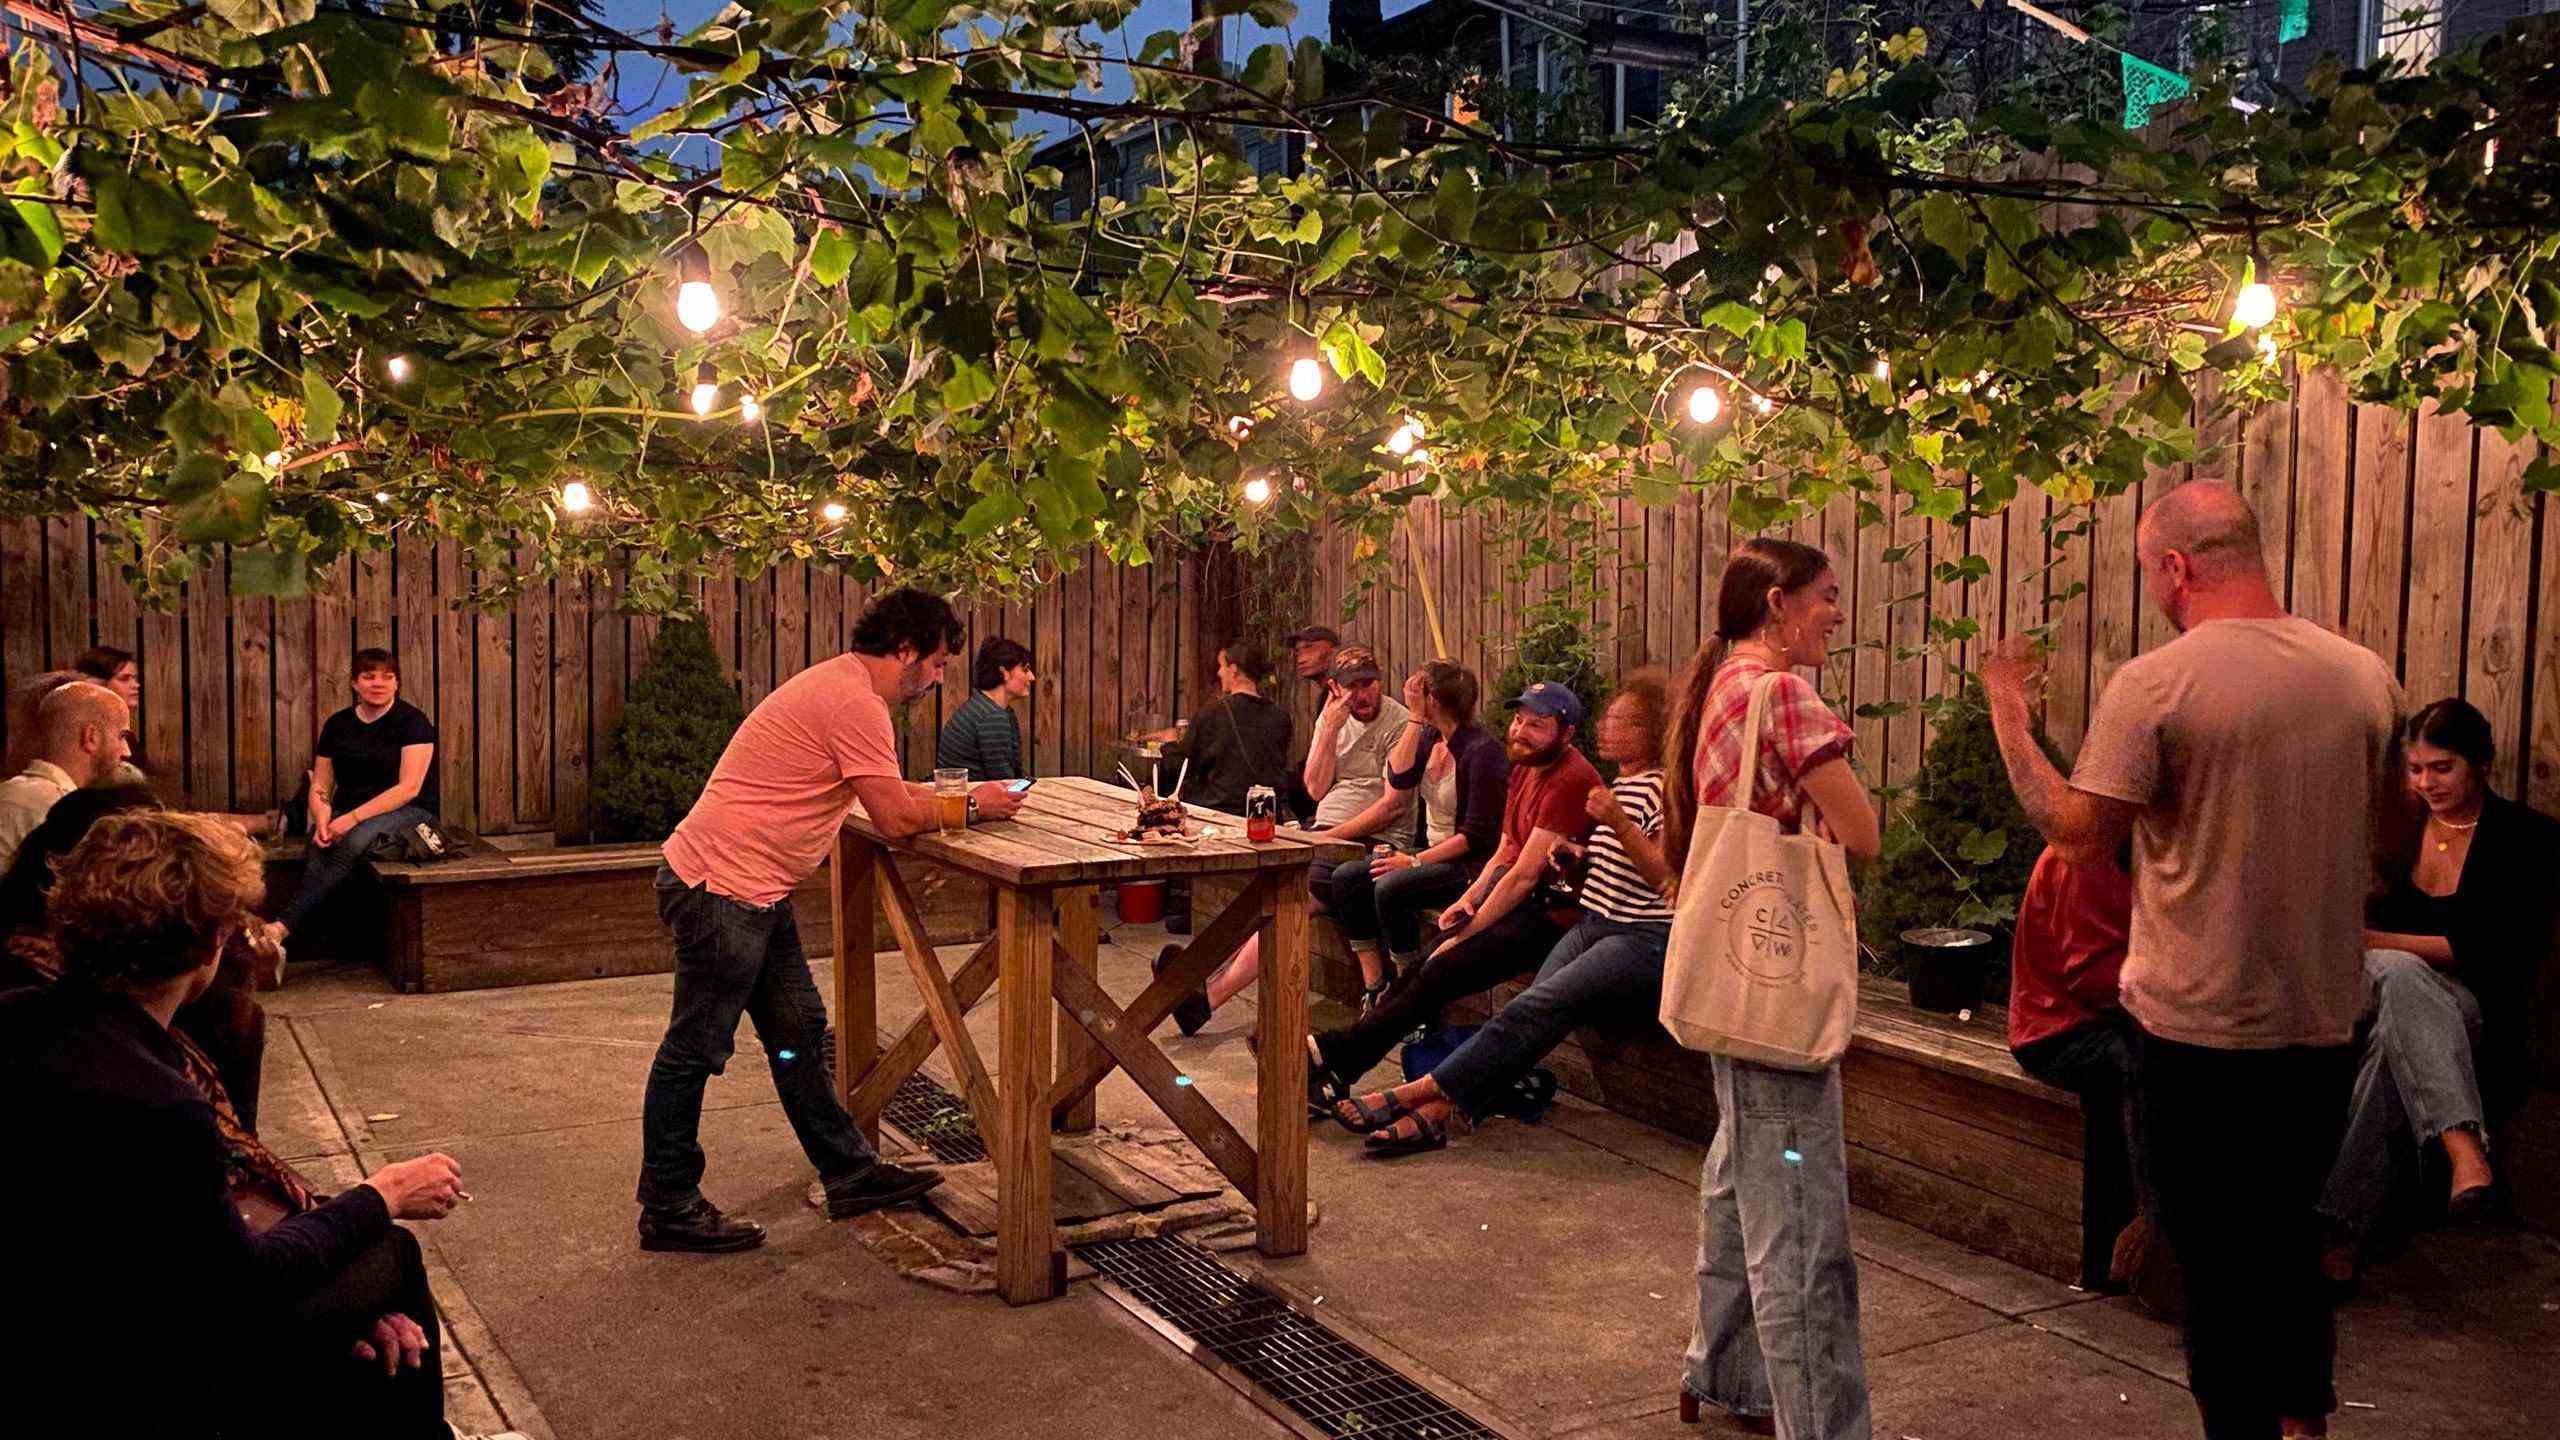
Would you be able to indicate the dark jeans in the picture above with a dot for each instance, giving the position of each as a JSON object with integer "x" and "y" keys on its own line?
{"x": 2096, "y": 1062}
{"x": 326, "y": 867}
{"x": 1471, "y": 966}
{"x": 317, "y": 1388}
{"x": 1600, "y": 970}
{"x": 1369, "y": 910}
{"x": 731, "y": 959}
{"x": 2238, "y": 1142}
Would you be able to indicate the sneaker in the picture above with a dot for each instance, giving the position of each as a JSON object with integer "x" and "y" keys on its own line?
{"x": 877, "y": 1188}
{"x": 1192, "y": 1011}
{"x": 699, "y": 1228}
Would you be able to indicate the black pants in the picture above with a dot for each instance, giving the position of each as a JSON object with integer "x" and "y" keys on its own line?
{"x": 2239, "y": 1142}
{"x": 2096, "y": 1062}
{"x": 318, "y": 1387}
{"x": 1513, "y": 945}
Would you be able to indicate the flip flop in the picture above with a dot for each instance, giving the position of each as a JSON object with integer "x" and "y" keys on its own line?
{"x": 1373, "y": 1118}
{"x": 1429, "y": 1134}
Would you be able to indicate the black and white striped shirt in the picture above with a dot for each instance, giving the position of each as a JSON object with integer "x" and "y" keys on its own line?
{"x": 1615, "y": 889}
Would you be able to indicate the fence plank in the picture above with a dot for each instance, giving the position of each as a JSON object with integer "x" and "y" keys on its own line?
{"x": 117, "y": 612}
{"x": 297, "y": 722}
{"x": 2324, "y": 453}
{"x": 66, "y": 587}
{"x": 2067, "y": 539}
{"x": 790, "y": 619}
{"x": 571, "y": 691}
{"x": 2439, "y": 541}
{"x": 1871, "y": 625}
{"x": 1076, "y": 756}
{"x": 457, "y": 763}
{"x": 533, "y": 699}
{"x": 2501, "y": 584}
{"x": 253, "y": 702}
{"x": 1106, "y": 674}
{"x": 415, "y": 606}
{"x": 208, "y": 686}
{"x": 493, "y": 656}
{"x": 2115, "y": 591}
{"x": 333, "y": 620}
{"x": 22, "y": 598}
{"x": 2543, "y": 785}
{"x": 2377, "y": 570}
{"x": 1907, "y": 675}
{"x": 2266, "y": 481}
{"x": 164, "y": 674}
{"x": 372, "y": 576}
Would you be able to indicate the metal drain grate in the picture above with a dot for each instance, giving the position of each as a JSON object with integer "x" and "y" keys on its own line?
{"x": 936, "y": 1119}
{"x": 1326, "y": 1380}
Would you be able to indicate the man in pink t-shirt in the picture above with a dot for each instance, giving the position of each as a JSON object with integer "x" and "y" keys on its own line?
{"x": 766, "y": 820}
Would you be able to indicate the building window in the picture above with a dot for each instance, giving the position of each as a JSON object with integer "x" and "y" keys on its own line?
{"x": 2410, "y": 30}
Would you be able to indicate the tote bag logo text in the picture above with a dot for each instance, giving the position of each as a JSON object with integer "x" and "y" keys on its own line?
{"x": 1764, "y": 927}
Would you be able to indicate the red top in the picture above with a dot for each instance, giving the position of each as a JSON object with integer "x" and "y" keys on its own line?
{"x": 1550, "y": 797}
{"x": 2073, "y": 925}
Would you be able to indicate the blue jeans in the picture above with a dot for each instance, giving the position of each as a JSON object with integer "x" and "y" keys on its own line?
{"x": 2414, "y": 1082}
{"x": 1777, "y": 1326}
{"x": 1600, "y": 970}
{"x": 326, "y": 867}
{"x": 733, "y": 958}
{"x": 1369, "y": 910}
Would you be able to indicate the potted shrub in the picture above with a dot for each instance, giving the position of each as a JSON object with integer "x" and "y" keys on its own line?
{"x": 680, "y": 715}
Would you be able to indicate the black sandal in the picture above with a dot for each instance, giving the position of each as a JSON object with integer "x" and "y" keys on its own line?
{"x": 1428, "y": 1134}
{"x": 1323, "y": 1091}
{"x": 1373, "y": 1118}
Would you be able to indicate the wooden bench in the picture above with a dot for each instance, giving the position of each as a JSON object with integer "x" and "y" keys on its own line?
{"x": 493, "y": 916}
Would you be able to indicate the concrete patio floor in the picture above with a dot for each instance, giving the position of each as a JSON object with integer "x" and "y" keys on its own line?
{"x": 1545, "y": 1271}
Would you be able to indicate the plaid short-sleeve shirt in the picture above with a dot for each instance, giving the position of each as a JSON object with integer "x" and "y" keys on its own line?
{"x": 1798, "y": 735}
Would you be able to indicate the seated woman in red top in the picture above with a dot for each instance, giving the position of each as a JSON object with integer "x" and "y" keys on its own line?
{"x": 2067, "y": 1030}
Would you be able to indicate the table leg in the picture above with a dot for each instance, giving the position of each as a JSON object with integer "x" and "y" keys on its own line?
{"x": 853, "y": 894}
{"x": 1026, "y": 1238}
{"x": 1280, "y": 1199}
{"x": 1079, "y": 933}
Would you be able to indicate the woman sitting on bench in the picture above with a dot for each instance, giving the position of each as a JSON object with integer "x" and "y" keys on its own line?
{"x": 2452, "y": 950}
{"x": 1607, "y": 967}
{"x": 373, "y": 772}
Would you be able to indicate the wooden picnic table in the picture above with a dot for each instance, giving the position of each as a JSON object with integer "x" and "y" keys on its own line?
{"x": 1045, "y": 865}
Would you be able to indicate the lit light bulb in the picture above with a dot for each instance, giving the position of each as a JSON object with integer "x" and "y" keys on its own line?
{"x": 833, "y": 511}
{"x": 397, "y": 367}
{"x": 1705, "y": 404}
{"x": 706, "y": 391}
{"x": 275, "y": 459}
{"x": 1763, "y": 404}
{"x": 2256, "y": 305}
{"x": 2489, "y": 155}
{"x": 748, "y": 410}
{"x": 381, "y": 497}
{"x": 1418, "y": 459}
{"x": 1884, "y": 368}
{"x": 697, "y": 304}
{"x": 1406, "y": 436}
{"x": 1257, "y": 491}
{"x": 575, "y": 497}
{"x": 1306, "y": 378}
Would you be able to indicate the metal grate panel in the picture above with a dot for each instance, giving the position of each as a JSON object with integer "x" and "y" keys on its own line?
{"x": 935, "y": 1119}
{"x": 1333, "y": 1384}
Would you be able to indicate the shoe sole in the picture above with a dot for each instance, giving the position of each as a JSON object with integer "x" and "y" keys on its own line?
{"x": 682, "y": 1247}
{"x": 884, "y": 1200}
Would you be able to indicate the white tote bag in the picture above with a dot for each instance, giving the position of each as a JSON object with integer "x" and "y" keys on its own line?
{"x": 1763, "y": 960}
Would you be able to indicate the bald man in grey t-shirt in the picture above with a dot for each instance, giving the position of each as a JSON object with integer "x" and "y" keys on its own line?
{"x": 2254, "y": 762}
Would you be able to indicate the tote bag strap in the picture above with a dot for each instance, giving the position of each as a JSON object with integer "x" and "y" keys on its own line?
{"x": 1748, "y": 786}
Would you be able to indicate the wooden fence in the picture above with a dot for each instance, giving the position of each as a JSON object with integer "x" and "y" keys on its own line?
{"x": 2407, "y": 533}
{"x": 234, "y": 688}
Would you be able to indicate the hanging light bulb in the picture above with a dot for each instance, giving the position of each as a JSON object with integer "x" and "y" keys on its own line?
{"x": 706, "y": 391}
{"x": 1405, "y": 437}
{"x": 1705, "y": 404}
{"x": 274, "y": 459}
{"x": 1306, "y": 378}
{"x": 576, "y": 498}
{"x": 397, "y": 367}
{"x": 748, "y": 410}
{"x": 1257, "y": 491}
{"x": 833, "y": 511}
{"x": 381, "y": 497}
{"x": 1418, "y": 459}
{"x": 2489, "y": 155}
{"x": 2256, "y": 306}
{"x": 1763, "y": 404}
{"x": 1884, "y": 368}
{"x": 697, "y": 304}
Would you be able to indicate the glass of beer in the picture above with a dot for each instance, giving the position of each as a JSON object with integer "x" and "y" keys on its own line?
{"x": 951, "y": 798}
{"x": 1261, "y": 813}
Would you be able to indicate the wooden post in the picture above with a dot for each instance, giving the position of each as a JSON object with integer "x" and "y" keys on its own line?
{"x": 1280, "y": 1199}
{"x": 1079, "y": 933}
{"x": 853, "y": 895}
{"x": 1025, "y": 1235}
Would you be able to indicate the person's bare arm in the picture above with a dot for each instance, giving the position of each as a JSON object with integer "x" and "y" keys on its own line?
{"x": 1486, "y": 879}
{"x": 899, "y": 809}
{"x": 414, "y": 760}
{"x": 324, "y": 779}
{"x": 1376, "y": 813}
{"x": 1851, "y": 816}
{"x": 1641, "y": 848}
{"x": 1322, "y": 763}
{"x": 2065, "y": 815}
{"x": 2434, "y": 949}
{"x": 1516, "y": 883}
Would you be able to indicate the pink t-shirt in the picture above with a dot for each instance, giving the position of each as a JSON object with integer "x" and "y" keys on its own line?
{"x": 770, "y": 813}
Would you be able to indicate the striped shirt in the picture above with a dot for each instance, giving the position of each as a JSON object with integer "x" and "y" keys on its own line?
{"x": 1615, "y": 889}
{"x": 983, "y": 738}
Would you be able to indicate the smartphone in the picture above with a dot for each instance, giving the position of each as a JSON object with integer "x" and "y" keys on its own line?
{"x": 1016, "y": 787}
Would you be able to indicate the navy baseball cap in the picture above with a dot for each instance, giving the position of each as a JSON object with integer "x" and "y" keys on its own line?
{"x": 1552, "y": 700}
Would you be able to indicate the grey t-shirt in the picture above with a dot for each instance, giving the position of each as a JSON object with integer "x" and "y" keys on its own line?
{"x": 2258, "y": 750}
{"x": 1360, "y": 764}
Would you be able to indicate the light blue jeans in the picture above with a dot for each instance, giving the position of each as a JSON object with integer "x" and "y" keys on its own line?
{"x": 1601, "y": 970}
{"x": 2414, "y": 1082}
{"x": 1777, "y": 1327}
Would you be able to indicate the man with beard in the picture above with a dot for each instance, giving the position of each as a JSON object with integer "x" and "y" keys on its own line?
{"x": 1311, "y": 651}
{"x": 1346, "y": 772}
{"x": 1502, "y": 924}
{"x": 766, "y": 819}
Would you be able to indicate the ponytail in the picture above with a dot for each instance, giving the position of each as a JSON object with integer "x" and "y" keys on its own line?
{"x": 1742, "y": 610}
{"x": 1680, "y": 751}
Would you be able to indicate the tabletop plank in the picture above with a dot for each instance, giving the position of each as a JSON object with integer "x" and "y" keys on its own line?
{"x": 1057, "y": 839}
{"x": 1117, "y": 807}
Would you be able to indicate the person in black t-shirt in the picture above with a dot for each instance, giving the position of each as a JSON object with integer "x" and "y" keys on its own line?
{"x": 1236, "y": 742}
{"x": 372, "y": 772}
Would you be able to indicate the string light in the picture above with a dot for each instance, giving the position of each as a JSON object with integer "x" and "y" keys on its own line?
{"x": 2489, "y": 155}
{"x": 833, "y": 511}
{"x": 576, "y": 498}
{"x": 1774, "y": 273}
{"x": 706, "y": 391}
{"x": 1406, "y": 436}
{"x": 1705, "y": 404}
{"x": 381, "y": 497}
{"x": 1418, "y": 459}
{"x": 1763, "y": 404}
{"x": 1306, "y": 378}
{"x": 697, "y": 304}
{"x": 1884, "y": 368}
{"x": 397, "y": 367}
{"x": 748, "y": 410}
{"x": 2256, "y": 306}
{"x": 1257, "y": 491}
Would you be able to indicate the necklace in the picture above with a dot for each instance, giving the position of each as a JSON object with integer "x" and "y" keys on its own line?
{"x": 2445, "y": 845}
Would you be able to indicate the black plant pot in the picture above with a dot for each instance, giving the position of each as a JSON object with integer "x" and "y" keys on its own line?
{"x": 1946, "y": 967}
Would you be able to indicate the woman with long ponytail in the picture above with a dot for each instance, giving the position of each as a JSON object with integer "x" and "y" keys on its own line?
{"x": 1777, "y": 1332}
